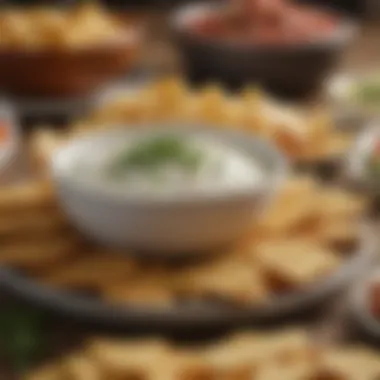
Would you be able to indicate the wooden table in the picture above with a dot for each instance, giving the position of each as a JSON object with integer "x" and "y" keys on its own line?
{"x": 364, "y": 54}
{"x": 331, "y": 322}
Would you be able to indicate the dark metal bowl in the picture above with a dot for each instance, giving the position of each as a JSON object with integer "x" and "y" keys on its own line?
{"x": 293, "y": 70}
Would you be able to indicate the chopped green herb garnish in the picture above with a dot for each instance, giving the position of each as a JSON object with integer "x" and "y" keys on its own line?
{"x": 152, "y": 154}
{"x": 374, "y": 166}
{"x": 21, "y": 336}
{"x": 369, "y": 92}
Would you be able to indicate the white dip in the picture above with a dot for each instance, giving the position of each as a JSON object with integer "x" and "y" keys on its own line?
{"x": 165, "y": 164}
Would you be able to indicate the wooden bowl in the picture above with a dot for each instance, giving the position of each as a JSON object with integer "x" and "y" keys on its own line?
{"x": 65, "y": 73}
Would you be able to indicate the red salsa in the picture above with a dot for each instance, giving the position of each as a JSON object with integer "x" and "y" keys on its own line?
{"x": 265, "y": 22}
{"x": 374, "y": 299}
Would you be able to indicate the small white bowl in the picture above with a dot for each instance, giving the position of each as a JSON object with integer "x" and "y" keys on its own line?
{"x": 9, "y": 147}
{"x": 360, "y": 307}
{"x": 340, "y": 94}
{"x": 185, "y": 223}
{"x": 355, "y": 171}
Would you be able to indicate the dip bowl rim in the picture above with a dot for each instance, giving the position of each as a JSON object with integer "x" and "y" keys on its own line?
{"x": 268, "y": 151}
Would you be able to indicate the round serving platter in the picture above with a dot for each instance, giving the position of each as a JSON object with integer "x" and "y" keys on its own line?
{"x": 189, "y": 315}
{"x": 199, "y": 314}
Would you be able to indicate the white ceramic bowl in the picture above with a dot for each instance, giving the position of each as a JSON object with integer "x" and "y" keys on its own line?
{"x": 184, "y": 223}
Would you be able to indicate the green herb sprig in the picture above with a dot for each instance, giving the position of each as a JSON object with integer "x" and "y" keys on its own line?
{"x": 369, "y": 92}
{"x": 21, "y": 337}
{"x": 152, "y": 154}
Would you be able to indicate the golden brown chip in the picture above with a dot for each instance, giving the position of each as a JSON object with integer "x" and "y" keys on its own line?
{"x": 236, "y": 114}
{"x": 78, "y": 367}
{"x": 93, "y": 271}
{"x": 210, "y": 108}
{"x": 295, "y": 262}
{"x": 230, "y": 280}
{"x": 276, "y": 371}
{"x": 338, "y": 145}
{"x": 43, "y": 143}
{"x": 190, "y": 365}
{"x": 32, "y": 222}
{"x": 242, "y": 355}
{"x": 38, "y": 255}
{"x": 21, "y": 196}
{"x": 181, "y": 364}
{"x": 16, "y": 30}
{"x": 133, "y": 358}
{"x": 290, "y": 132}
{"x": 293, "y": 206}
{"x": 341, "y": 234}
{"x": 143, "y": 291}
{"x": 352, "y": 363}
{"x": 236, "y": 358}
{"x": 288, "y": 345}
{"x": 46, "y": 28}
{"x": 167, "y": 98}
{"x": 335, "y": 202}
